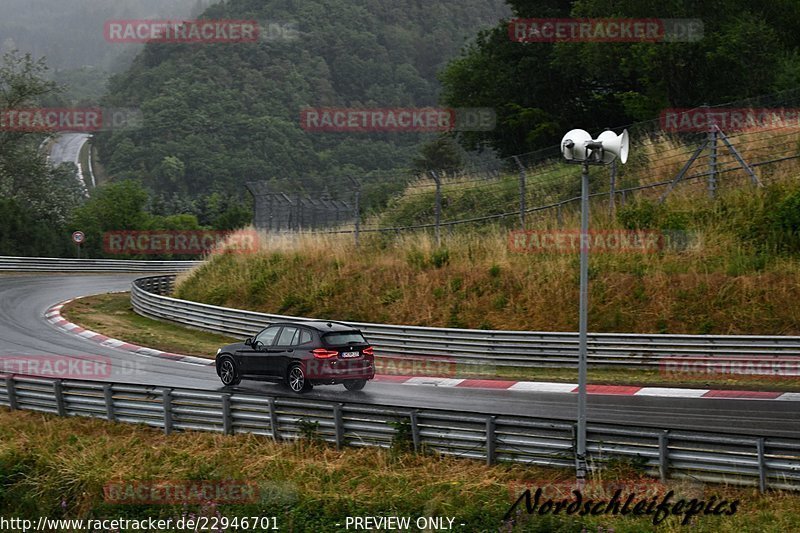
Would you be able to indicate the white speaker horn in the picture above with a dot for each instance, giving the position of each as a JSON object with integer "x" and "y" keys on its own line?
{"x": 573, "y": 145}
{"x": 615, "y": 146}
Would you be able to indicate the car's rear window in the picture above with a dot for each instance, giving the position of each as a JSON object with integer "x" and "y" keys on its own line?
{"x": 343, "y": 338}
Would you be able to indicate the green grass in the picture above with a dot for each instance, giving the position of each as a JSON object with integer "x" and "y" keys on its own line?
{"x": 58, "y": 467}
{"x": 112, "y": 315}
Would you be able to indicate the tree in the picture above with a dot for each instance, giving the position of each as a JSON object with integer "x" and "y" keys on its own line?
{"x": 540, "y": 90}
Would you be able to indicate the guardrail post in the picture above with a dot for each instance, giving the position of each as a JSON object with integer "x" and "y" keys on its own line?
{"x": 762, "y": 466}
{"x": 273, "y": 420}
{"x": 227, "y": 419}
{"x": 415, "y": 436}
{"x": 58, "y": 390}
{"x": 663, "y": 456}
{"x": 338, "y": 425}
{"x": 12, "y": 394}
{"x": 166, "y": 394}
{"x": 490, "y": 440}
{"x": 108, "y": 395}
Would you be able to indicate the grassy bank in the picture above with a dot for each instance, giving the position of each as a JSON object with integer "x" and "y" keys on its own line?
{"x": 112, "y": 315}
{"x": 736, "y": 272}
{"x": 58, "y": 468}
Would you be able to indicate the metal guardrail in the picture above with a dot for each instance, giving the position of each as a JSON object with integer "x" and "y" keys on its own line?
{"x": 769, "y": 463}
{"x": 484, "y": 347}
{"x": 57, "y": 264}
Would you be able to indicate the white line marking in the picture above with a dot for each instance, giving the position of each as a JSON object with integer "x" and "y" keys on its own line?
{"x": 437, "y": 382}
{"x": 543, "y": 386}
{"x": 671, "y": 392}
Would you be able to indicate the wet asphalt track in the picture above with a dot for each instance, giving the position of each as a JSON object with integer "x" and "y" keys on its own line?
{"x": 24, "y": 331}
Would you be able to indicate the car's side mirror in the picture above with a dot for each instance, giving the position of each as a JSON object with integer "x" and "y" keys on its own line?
{"x": 248, "y": 341}
{"x": 258, "y": 345}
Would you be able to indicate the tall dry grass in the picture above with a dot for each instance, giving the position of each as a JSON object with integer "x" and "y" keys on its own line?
{"x": 721, "y": 282}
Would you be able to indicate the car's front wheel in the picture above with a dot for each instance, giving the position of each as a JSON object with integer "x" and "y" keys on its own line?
{"x": 296, "y": 379}
{"x": 355, "y": 384}
{"x": 228, "y": 373}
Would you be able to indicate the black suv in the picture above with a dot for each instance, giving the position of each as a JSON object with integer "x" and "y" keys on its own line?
{"x": 301, "y": 354}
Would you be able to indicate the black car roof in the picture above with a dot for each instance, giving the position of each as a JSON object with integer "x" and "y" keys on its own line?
{"x": 323, "y": 326}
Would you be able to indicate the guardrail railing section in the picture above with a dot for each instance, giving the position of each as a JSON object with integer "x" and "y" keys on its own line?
{"x": 488, "y": 349}
{"x": 768, "y": 463}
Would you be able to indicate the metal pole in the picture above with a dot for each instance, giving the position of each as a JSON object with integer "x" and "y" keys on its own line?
{"x": 613, "y": 194}
{"x": 438, "y": 206}
{"x": 712, "y": 163}
{"x": 521, "y": 193}
{"x": 580, "y": 455}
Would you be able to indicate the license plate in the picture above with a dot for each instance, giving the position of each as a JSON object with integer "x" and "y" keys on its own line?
{"x": 351, "y": 354}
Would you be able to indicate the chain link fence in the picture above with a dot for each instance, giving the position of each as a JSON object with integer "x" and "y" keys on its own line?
{"x": 535, "y": 188}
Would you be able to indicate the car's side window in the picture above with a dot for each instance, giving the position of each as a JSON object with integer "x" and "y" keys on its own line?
{"x": 268, "y": 335}
{"x": 287, "y": 336}
{"x": 305, "y": 337}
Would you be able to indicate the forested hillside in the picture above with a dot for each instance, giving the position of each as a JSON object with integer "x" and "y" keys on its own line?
{"x": 218, "y": 115}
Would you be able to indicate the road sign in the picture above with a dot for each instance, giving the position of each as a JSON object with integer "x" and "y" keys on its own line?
{"x": 78, "y": 237}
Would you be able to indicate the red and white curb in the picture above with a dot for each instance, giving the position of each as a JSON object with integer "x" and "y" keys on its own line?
{"x": 615, "y": 390}
{"x": 53, "y": 315}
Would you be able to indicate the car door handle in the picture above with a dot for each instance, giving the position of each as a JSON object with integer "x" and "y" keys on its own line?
{"x": 290, "y": 350}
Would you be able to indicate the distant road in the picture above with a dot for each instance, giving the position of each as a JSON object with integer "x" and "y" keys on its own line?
{"x": 66, "y": 148}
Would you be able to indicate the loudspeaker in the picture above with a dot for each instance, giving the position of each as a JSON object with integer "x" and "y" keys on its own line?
{"x": 573, "y": 145}
{"x": 614, "y": 146}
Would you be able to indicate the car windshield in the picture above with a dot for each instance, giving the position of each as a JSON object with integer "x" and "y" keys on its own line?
{"x": 343, "y": 338}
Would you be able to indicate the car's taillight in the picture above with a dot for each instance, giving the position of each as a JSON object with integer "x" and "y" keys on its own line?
{"x": 368, "y": 350}
{"x": 322, "y": 353}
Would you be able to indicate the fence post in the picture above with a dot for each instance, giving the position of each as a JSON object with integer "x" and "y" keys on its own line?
{"x": 522, "y": 187}
{"x": 357, "y": 186}
{"x": 227, "y": 419}
{"x": 663, "y": 456}
{"x": 712, "y": 163}
{"x": 166, "y": 395}
{"x": 762, "y": 466}
{"x": 438, "y": 181}
{"x": 273, "y": 420}
{"x": 338, "y": 425}
{"x": 108, "y": 395}
{"x": 415, "y": 431}
{"x": 491, "y": 445}
{"x": 58, "y": 390}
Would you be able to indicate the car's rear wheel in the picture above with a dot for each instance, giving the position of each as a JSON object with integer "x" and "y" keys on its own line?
{"x": 228, "y": 373}
{"x": 296, "y": 379}
{"x": 355, "y": 384}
